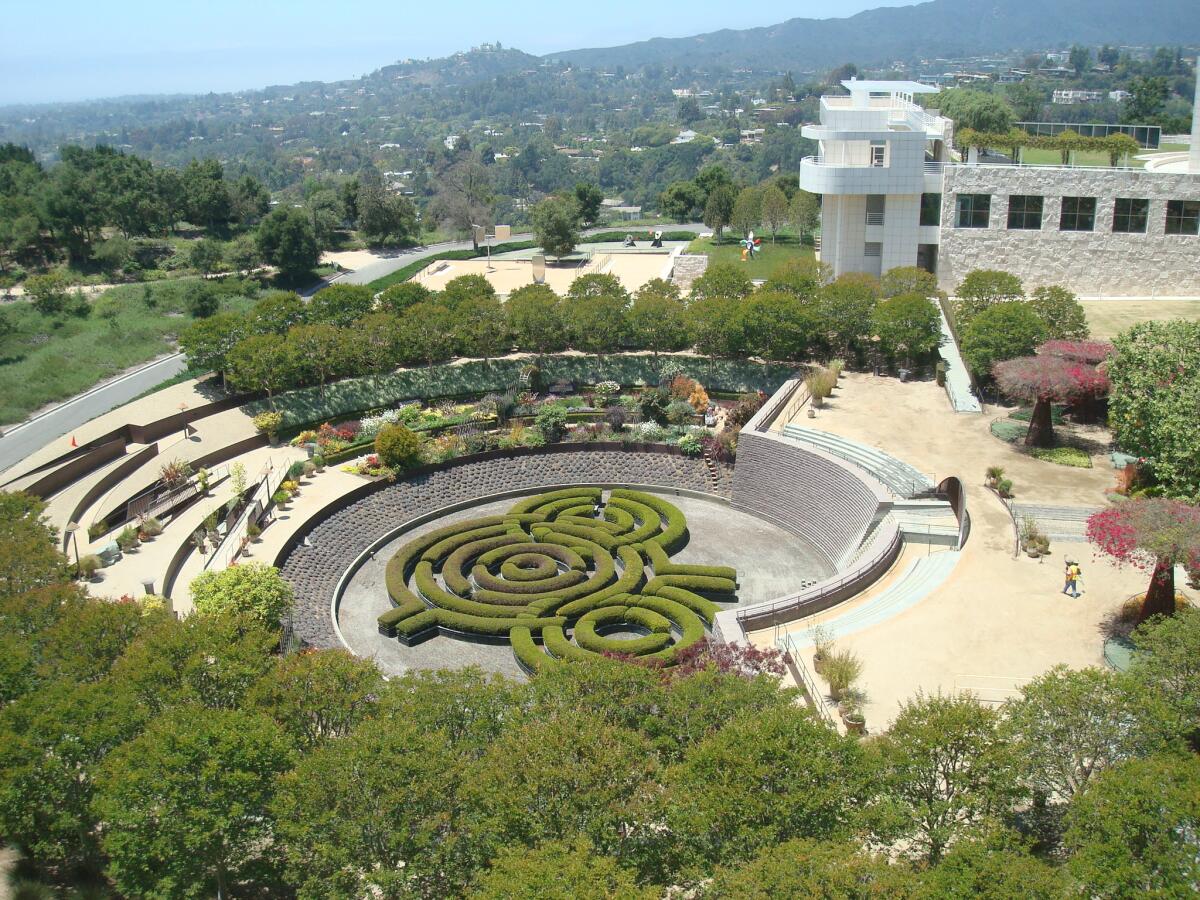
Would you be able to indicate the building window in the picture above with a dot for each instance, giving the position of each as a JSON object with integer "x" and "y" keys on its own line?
{"x": 878, "y": 154}
{"x": 1078, "y": 214}
{"x": 931, "y": 209}
{"x": 1183, "y": 217}
{"x": 875, "y": 207}
{"x": 872, "y": 248}
{"x": 973, "y": 210}
{"x": 1130, "y": 215}
{"x": 1024, "y": 212}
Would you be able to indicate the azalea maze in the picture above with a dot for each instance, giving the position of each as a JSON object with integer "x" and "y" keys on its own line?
{"x": 562, "y": 575}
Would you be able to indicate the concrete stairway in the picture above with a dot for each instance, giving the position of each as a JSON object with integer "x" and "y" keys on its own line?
{"x": 898, "y": 476}
{"x": 1059, "y": 523}
{"x": 920, "y": 579}
{"x": 958, "y": 384}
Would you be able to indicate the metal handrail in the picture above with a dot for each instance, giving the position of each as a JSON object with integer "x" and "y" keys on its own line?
{"x": 809, "y": 684}
{"x": 230, "y": 545}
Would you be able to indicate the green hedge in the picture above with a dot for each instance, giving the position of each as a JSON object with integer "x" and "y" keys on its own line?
{"x": 587, "y": 638}
{"x": 545, "y": 503}
{"x": 702, "y": 606}
{"x": 648, "y": 618}
{"x": 647, "y": 521}
{"x": 486, "y": 625}
{"x": 662, "y": 565}
{"x": 526, "y": 651}
{"x": 351, "y": 395}
{"x": 697, "y": 583}
{"x": 674, "y": 536}
{"x": 487, "y": 581}
{"x": 397, "y": 614}
{"x": 444, "y": 600}
{"x": 453, "y": 565}
{"x": 560, "y": 648}
{"x": 512, "y": 571}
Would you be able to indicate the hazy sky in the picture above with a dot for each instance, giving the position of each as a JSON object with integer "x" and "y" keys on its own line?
{"x": 76, "y": 50}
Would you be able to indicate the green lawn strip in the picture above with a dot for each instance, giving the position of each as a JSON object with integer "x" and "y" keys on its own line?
{"x": 1063, "y": 456}
{"x": 769, "y": 258}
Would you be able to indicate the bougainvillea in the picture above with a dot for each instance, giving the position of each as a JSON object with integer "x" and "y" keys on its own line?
{"x": 1154, "y": 534}
{"x": 1049, "y": 378}
{"x": 1093, "y": 352}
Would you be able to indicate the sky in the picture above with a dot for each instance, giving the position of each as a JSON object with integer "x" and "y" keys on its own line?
{"x": 82, "y": 49}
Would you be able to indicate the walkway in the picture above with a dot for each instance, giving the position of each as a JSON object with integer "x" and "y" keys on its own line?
{"x": 1059, "y": 523}
{"x": 958, "y": 382}
{"x": 898, "y": 476}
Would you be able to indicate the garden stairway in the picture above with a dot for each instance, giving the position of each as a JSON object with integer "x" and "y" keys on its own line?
{"x": 898, "y": 476}
{"x": 958, "y": 382}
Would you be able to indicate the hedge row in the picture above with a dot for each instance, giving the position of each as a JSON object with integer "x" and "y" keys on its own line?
{"x": 545, "y": 503}
{"x": 662, "y": 565}
{"x": 706, "y": 584}
{"x": 674, "y": 536}
{"x": 532, "y": 659}
{"x": 351, "y": 395}
{"x": 587, "y": 638}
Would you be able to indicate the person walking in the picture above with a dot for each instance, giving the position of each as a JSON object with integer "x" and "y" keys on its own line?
{"x": 1071, "y": 579}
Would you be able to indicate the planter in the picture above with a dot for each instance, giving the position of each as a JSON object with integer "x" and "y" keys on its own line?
{"x": 819, "y": 663}
{"x": 855, "y": 723}
{"x": 812, "y": 413}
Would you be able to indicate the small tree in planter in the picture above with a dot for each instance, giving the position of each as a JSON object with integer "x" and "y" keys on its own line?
{"x": 842, "y": 671}
{"x": 150, "y": 528}
{"x": 822, "y": 639}
{"x": 88, "y": 566}
{"x": 1043, "y": 380}
{"x": 268, "y": 423}
{"x": 398, "y": 447}
{"x": 127, "y": 540}
{"x": 994, "y": 474}
{"x": 1154, "y": 534}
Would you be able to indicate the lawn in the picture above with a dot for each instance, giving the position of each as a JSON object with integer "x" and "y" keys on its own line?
{"x": 45, "y": 359}
{"x": 770, "y": 256}
{"x": 1108, "y": 318}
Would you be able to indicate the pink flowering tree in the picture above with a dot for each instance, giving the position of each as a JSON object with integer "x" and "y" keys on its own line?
{"x": 1154, "y": 534}
{"x": 1061, "y": 372}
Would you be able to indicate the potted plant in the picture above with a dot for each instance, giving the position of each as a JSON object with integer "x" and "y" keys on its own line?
{"x": 89, "y": 566}
{"x": 994, "y": 474}
{"x": 200, "y": 539}
{"x": 291, "y": 486}
{"x": 149, "y": 529}
{"x": 244, "y": 545}
{"x": 853, "y": 717}
{"x": 841, "y": 671}
{"x": 97, "y": 530}
{"x": 822, "y": 639}
{"x": 127, "y": 540}
{"x": 268, "y": 423}
{"x": 202, "y": 480}
{"x": 310, "y": 469}
{"x": 281, "y": 498}
{"x": 253, "y": 530}
{"x": 318, "y": 462}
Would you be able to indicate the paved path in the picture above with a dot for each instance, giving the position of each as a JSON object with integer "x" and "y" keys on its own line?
{"x": 19, "y": 441}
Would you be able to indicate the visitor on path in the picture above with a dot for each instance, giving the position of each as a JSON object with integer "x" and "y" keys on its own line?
{"x": 1071, "y": 579}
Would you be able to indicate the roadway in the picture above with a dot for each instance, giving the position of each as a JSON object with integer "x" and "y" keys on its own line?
{"x": 17, "y": 441}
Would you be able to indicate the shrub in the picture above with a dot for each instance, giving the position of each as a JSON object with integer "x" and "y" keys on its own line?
{"x": 605, "y": 391}
{"x": 1063, "y": 456}
{"x": 746, "y": 408}
{"x": 398, "y": 447}
{"x": 295, "y": 470}
{"x": 691, "y": 444}
{"x": 128, "y": 538}
{"x": 653, "y": 403}
{"x": 152, "y": 526}
{"x": 251, "y": 588}
{"x": 268, "y": 423}
{"x": 551, "y": 421}
{"x": 1004, "y": 487}
{"x": 89, "y": 565}
{"x": 842, "y": 670}
{"x": 680, "y": 412}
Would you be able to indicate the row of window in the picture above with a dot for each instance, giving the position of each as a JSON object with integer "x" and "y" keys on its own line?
{"x": 1130, "y": 214}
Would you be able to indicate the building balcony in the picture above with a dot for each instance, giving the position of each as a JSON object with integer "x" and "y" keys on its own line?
{"x": 819, "y": 176}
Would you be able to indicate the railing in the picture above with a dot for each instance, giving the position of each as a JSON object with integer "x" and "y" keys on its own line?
{"x": 1068, "y": 167}
{"x": 874, "y": 218}
{"x": 170, "y": 498}
{"x": 224, "y": 553}
{"x": 787, "y": 644}
{"x": 934, "y": 168}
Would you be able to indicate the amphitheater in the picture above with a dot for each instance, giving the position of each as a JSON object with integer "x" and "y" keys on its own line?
{"x": 814, "y": 524}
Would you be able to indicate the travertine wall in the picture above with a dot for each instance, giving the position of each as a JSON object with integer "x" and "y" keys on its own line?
{"x": 1095, "y": 262}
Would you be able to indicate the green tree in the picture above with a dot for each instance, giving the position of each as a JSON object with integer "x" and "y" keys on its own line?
{"x": 28, "y": 556}
{"x": 783, "y": 776}
{"x": 244, "y": 256}
{"x": 1149, "y": 96}
{"x": 557, "y": 871}
{"x": 747, "y": 211}
{"x": 399, "y": 297}
{"x": 657, "y": 318}
{"x": 982, "y": 288}
{"x": 681, "y": 201}
{"x": 588, "y": 199}
{"x": 804, "y": 277}
{"x": 995, "y": 868}
{"x": 207, "y": 342}
{"x": 429, "y": 332}
{"x": 948, "y": 771}
{"x": 535, "y": 316}
{"x": 316, "y": 697}
{"x": 206, "y": 195}
{"x": 721, "y": 280}
{"x": 277, "y": 312}
{"x": 262, "y": 362}
{"x": 250, "y": 589}
{"x": 339, "y": 304}
{"x": 376, "y": 343}
{"x": 907, "y": 325}
{"x": 976, "y": 110}
{"x": 463, "y": 288}
{"x": 846, "y": 308}
{"x": 774, "y": 210}
{"x": 185, "y": 804}
{"x": 47, "y": 293}
{"x": 596, "y": 322}
{"x": 908, "y": 280}
{"x": 1002, "y": 331}
{"x": 806, "y": 868}
{"x": 804, "y": 212}
{"x": 482, "y": 327}
{"x": 689, "y": 111}
{"x": 321, "y": 352}
{"x": 556, "y": 225}
{"x": 1061, "y": 312}
{"x": 384, "y": 218}
{"x": 1167, "y": 666}
{"x": 714, "y": 326}
{"x": 383, "y": 832}
{"x": 718, "y": 209}
{"x": 1132, "y": 833}
{"x": 1155, "y": 392}
{"x": 779, "y": 326}
{"x": 205, "y": 256}
{"x": 286, "y": 241}
{"x": 200, "y": 299}
{"x": 114, "y": 254}
{"x": 249, "y": 200}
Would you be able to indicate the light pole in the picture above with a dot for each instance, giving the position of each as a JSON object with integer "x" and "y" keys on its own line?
{"x": 182, "y": 409}
{"x": 72, "y": 528}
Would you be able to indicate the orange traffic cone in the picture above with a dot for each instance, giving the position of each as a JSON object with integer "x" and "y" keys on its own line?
{"x": 73, "y": 444}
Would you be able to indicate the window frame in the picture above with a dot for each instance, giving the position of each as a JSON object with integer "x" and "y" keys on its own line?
{"x": 1182, "y": 217}
{"x": 1024, "y": 212}
{"x": 973, "y": 210}
{"x": 936, "y": 211}
{"x": 1075, "y": 216}
{"x": 1130, "y": 216}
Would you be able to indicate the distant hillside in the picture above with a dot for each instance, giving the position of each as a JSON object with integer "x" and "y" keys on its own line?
{"x": 941, "y": 28}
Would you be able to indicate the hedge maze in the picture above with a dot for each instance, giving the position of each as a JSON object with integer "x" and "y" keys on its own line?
{"x": 556, "y": 576}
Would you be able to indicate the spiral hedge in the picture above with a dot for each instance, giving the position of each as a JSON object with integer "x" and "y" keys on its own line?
{"x": 555, "y": 575}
